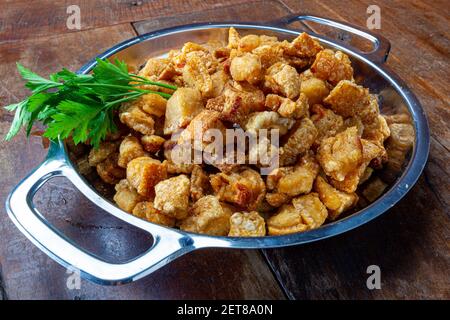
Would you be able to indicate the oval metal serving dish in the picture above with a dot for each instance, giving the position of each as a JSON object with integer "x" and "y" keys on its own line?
{"x": 172, "y": 243}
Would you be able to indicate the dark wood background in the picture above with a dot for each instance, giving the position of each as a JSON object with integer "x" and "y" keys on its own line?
{"x": 410, "y": 243}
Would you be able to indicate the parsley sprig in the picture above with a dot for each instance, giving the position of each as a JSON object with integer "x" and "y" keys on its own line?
{"x": 76, "y": 105}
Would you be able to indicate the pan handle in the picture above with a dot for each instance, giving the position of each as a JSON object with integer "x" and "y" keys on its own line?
{"x": 381, "y": 46}
{"x": 168, "y": 244}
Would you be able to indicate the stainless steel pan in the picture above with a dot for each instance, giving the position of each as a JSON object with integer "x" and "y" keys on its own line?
{"x": 172, "y": 243}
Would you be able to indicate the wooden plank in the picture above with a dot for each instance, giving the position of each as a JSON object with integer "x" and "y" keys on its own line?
{"x": 29, "y": 273}
{"x": 266, "y": 11}
{"x": 410, "y": 242}
{"x": 25, "y": 19}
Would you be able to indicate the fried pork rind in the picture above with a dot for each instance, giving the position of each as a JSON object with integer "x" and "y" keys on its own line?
{"x": 287, "y": 220}
{"x": 152, "y": 143}
{"x": 126, "y": 196}
{"x": 268, "y": 120}
{"x": 182, "y": 107}
{"x": 154, "y": 67}
{"x": 144, "y": 173}
{"x": 178, "y": 168}
{"x": 130, "y": 148}
{"x": 146, "y": 210}
{"x": 301, "y": 179}
{"x": 299, "y": 140}
{"x": 283, "y": 79}
{"x": 303, "y": 46}
{"x": 286, "y": 107}
{"x": 247, "y": 224}
{"x": 172, "y": 196}
{"x": 348, "y": 99}
{"x": 134, "y": 117}
{"x": 370, "y": 151}
{"x": 100, "y": 154}
{"x": 305, "y": 213}
{"x": 336, "y": 201}
{"x": 276, "y": 199}
{"x": 208, "y": 216}
{"x": 341, "y": 154}
{"x": 313, "y": 211}
{"x": 315, "y": 90}
{"x": 269, "y": 54}
{"x": 196, "y": 73}
{"x": 233, "y": 38}
{"x": 245, "y": 189}
{"x": 328, "y": 123}
{"x": 109, "y": 171}
{"x": 204, "y": 121}
{"x": 332, "y": 66}
{"x": 152, "y": 103}
{"x": 248, "y": 43}
{"x": 200, "y": 185}
{"x": 237, "y": 102}
{"x": 246, "y": 68}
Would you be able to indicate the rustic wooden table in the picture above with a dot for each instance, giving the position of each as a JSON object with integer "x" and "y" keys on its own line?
{"x": 410, "y": 243}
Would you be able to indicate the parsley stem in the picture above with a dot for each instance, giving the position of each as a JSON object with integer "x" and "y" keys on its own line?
{"x": 160, "y": 84}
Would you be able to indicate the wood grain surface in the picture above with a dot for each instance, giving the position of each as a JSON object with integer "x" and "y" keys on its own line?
{"x": 410, "y": 243}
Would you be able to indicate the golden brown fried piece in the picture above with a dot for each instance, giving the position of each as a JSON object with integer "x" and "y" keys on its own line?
{"x": 286, "y": 107}
{"x": 301, "y": 179}
{"x": 336, "y": 201}
{"x": 246, "y": 189}
{"x": 268, "y": 120}
{"x": 182, "y": 107}
{"x": 202, "y": 122}
{"x": 130, "y": 148}
{"x": 246, "y": 68}
{"x": 154, "y": 67}
{"x": 315, "y": 90}
{"x": 126, "y": 196}
{"x": 208, "y": 216}
{"x": 172, "y": 196}
{"x": 328, "y": 123}
{"x": 135, "y": 118}
{"x": 144, "y": 173}
{"x": 287, "y": 220}
{"x": 200, "y": 185}
{"x": 152, "y": 143}
{"x": 306, "y": 212}
{"x": 146, "y": 210}
{"x": 196, "y": 73}
{"x": 313, "y": 211}
{"x": 351, "y": 181}
{"x": 237, "y": 102}
{"x": 152, "y": 104}
{"x": 348, "y": 99}
{"x": 298, "y": 141}
{"x": 341, "y": 154}
{"x": 283, "y": 79}
{"x": 247, "y": 224}
{"x": 332, "y": 66}
{"x": 303, "y": 46}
